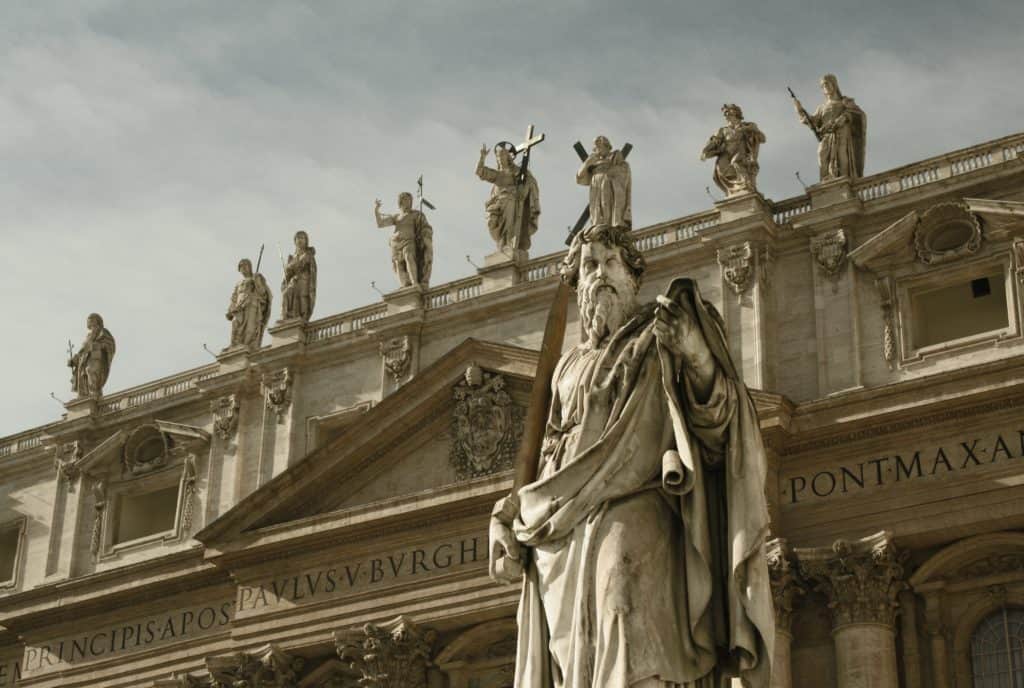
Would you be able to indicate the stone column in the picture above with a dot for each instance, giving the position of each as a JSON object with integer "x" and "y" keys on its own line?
{"x": 861, "y": 580}
{"x": 787, "y": 586}
{"x": 936, "y": 632}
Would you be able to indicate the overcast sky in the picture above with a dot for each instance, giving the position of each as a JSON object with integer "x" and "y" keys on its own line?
{"x": 146, "y": 146}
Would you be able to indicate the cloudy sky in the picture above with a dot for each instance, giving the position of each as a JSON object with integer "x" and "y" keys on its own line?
{"x": 146, "y": 147}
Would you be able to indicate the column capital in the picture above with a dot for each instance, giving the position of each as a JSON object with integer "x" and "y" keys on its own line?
{"x": 391, "y": 655}
{"x": 861, "y": 578}
{"x": 786, "y": 581}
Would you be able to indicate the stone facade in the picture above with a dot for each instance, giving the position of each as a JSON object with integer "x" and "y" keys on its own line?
{"x": 327, "y": 499}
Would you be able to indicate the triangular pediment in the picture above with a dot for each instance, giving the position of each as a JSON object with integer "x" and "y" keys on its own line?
{"x": 399, "y": 450}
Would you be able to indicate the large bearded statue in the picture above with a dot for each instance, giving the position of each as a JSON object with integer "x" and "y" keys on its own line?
{"x": 641, "y": 539}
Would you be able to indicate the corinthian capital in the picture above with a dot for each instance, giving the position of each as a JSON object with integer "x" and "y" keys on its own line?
{"x": 392, "y": 655}
{"x": 787, "y": 583}
{"x": 860, "y": 578}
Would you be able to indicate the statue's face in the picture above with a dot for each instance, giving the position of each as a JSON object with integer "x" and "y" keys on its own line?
{"x": 92, "y": 323}
{"x": 301, "y": 240}
{"x": 606, "y": 291}
{"x": 503, "y": 156}
{"x": 404, "y": 201}
{"x": 245, "y": 267}
{"x": 732, "y": 117}
{"x": 828, "y": 88}
{"x": 602, "y": 145}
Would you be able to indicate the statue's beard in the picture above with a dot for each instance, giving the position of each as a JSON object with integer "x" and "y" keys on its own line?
{"x": 603, "y": 310}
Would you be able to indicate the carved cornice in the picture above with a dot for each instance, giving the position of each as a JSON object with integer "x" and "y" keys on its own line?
{"x": 860, "y": 578}
{"x": 393, "y": 655}
{"x": 786, "y": 581}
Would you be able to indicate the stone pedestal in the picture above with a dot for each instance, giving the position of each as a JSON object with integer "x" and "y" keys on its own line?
{"x": 502, "y": 270}
{"x": 233, "y": 359}
{"x": 405, "y": 299}
{"x": 831, "y": 192}
{"x": 741, "y": 206}
{"x": 81, "y": 407}
{"x": 289, "y": 331}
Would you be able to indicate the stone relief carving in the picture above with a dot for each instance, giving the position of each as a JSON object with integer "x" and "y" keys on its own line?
{"x": 735, "y": 148}
{"x": 1010, "y": 562}
{"x": 99, "y": 494}
{"x": 249, "y": 309}
{"x": 267, "y": 667}
{"x": 861, "y": 579}
{"x": 392, "y": 655}
{"x": 886, "y": 287}
{"x": 298, "y": 288}
{"x": 146, "y": 450}
{"x": 90, "y": 367}
{"x": 787, "y": 583}
{"x": 829, "y": 251}
{"x": 67, "y": 463}
{"x": 225, "y": 416}
{"x": 188, "y": 488}
{"x": 277, "y": 392}
{"x": 412, "y": 242}
{"x": 396, "y": 353}
{"x": 608, "y": 175}
{"x": 841, "y": 129}
{"x": 945, "y": 232}
{"x": 737, "y": 263}
{"x": 486, "y": 425}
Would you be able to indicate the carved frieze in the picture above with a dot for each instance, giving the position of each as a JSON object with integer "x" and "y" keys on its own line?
{"x": 267, "y": 667}
{"x": 396, "y": 353}
{"x": 67, "y": 463}
{"x": 829, "y": 251}
{"x": 392, "y": 655}
{"x": 887, "y": 300}
{"x": 945, "y": 232}
{"x": 277, "y": 392}
{"x": 188, "y": 488}
{"x": 860, "y": 578}
{"x": 486, "y": 425}
{"x": 786, "y": 581}
{"x": 225, "y": 416}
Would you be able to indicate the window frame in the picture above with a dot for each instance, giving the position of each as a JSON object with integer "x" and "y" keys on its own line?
{"x": 152, "y": 482}
{"x": 1000, "y": 609}
{"x": 19, "y": 524}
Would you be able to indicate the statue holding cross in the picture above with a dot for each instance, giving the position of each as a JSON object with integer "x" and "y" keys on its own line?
{"x": 607, "y": 174}
{"x": 513, "y": 208}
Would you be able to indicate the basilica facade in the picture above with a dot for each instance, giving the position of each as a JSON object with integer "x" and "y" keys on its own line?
{"x": 313, "y": 512}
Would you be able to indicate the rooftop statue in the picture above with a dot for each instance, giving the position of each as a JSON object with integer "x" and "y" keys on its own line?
{"x": 735, "y": 147}
{"x": 90, "y": 367}
{"x": 841, "y": 128}
{"x": 249, "y": 310}
{"x": 412, "y": 242}
{"x": 513, "y": 208}
{"x": 607, "y": 174}
{"x": 298, "y": 289}
{"x": 640, "y": 535}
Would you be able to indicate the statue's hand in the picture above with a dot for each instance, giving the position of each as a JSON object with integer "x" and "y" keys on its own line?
{"x": 506, "y": 566}
{"x": 376, "y": 204}
{"x": 484, "y": 150}
{"x": 676, "y": 329}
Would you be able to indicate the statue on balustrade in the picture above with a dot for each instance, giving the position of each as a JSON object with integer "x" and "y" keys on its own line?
{"x": 841, "y": 128}
{"x": 640, "y": 541}
{"x": 513, "y": 208}
{"x": 298, "y": 289}
{"x": 735, "y": 147}
{"x": 607, "y": 174}
{"x": 90, "y": 367}
{"x": 412, "y": 241}
{"x": 249, "y": 310}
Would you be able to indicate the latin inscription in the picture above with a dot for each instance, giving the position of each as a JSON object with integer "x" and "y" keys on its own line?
{"x": 363, "y": 574}
{"x": 910, "y": 465}
{"x": 10, "y": 673}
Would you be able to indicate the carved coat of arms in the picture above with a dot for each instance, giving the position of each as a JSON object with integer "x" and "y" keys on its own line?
{"x": 486, "y": 425}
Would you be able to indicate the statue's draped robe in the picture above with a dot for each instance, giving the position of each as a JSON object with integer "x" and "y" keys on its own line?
{"x": 298, "y": 288}
{"x": 736, "y": 150}
{"x": 842, "y": 126}
{"x": 646, "y": 524}
{"x": 611, "y": 191}
{"x": 250, "y": 309}
{"x": 412, "y": 245}
{"x": 513, "y": 210}
{"x": 93, "y": 361}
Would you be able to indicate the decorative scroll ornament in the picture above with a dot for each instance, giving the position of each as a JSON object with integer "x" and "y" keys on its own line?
{"x": 99, "y": 493}
{"x": 486, "y": 425}
{"x": 277, "y": 392}
{"x": 394, "y": 655}
{"x": 188, "y": 488}
{"x": 737, "y": 263}
{"x": 67, "y": 463}
{"x": 397, "y": 355}
{"x": 225, "y": 416}
{"x": 887, "y": 298}
{"x": 945, "y": 232}
{"x": 787, "y": 584}
{"x": 829, "y": 251}
{"x": 267, "y": 667}
{"x": 146, "y": 449}
{"x": 861, "y": 579}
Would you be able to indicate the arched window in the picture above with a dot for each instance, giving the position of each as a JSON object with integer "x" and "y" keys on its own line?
{"x": 997, "y": 650}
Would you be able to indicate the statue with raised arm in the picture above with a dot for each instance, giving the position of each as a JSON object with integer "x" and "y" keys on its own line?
{"x": 90, "y": 367}
{"x": 249, "y": 310}
{"x": 607, "y": 174}
{"x": 735, "y": 147}
{"x": 841, "y": 128}
{"x": 298, "y": 288}
{"x": 513, "y": 208}
{"x": 412, "y": 241}
{"x": 640, "y": 538}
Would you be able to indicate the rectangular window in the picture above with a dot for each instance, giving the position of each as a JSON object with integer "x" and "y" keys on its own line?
{"x": 969, "y": 307}
{"x": 10, "y": 540}
{"x": 149, "y": 513}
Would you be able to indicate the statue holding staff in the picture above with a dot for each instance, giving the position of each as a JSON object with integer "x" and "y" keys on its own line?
{"x": 412, "y": 241}
{"x": 735, "y": 148}
{"x": 90, "y": 367}
{"x": 298, "y": 288}
{"x": 249, "y": 309}
{"x": 841, "y": 128}
{"x": 513, "y": 208}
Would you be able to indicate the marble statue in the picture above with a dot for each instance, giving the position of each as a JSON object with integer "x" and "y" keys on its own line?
{"x": 90, "y": 367}
{"x": 735, "y": 147}
{"x": 249, "y": 309}
{"x": 412, "y": 242}
{"x": 641, "y": 540}
{"x": 607, "y": 174}
{"x": 513, "y": 209}
{"x": 298, "y": 289}
{"x": 841, "y": 128}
